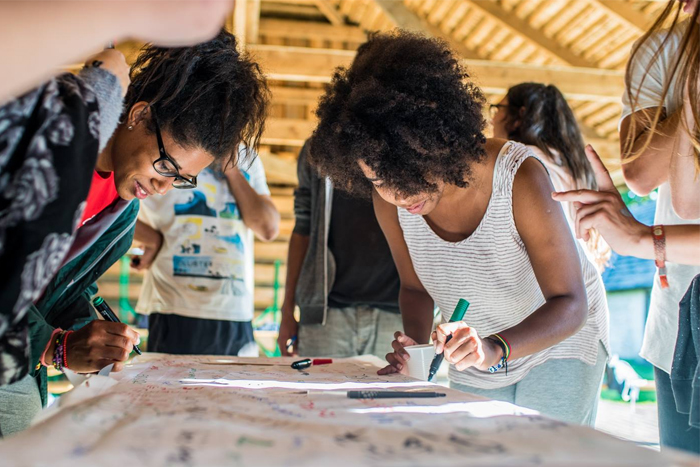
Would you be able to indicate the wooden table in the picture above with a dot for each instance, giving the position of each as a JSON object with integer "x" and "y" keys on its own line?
{"x": 167, "y": 410}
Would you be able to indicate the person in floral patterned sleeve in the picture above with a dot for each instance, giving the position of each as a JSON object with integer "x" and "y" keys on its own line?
{"x": 185, "y": 108}
{"x": 49, "y": 141}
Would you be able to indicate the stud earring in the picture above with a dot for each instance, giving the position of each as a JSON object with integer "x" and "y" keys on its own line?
{"x": 130, "y": 127}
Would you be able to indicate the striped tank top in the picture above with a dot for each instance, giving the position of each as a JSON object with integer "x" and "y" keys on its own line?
{"x": 491, "y": 269}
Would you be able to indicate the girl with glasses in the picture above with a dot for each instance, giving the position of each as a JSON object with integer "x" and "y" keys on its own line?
{"x": 208, "y": 100}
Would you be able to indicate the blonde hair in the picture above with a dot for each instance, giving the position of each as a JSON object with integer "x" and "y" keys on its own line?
{"x": 686, "y": 68}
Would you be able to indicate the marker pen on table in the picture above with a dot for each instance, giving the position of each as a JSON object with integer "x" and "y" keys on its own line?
{"x": 307, "y": 362}
{"x": 107, "y": 313}
{"x": 457, "y": 315}
{"x": 371, "y": 394}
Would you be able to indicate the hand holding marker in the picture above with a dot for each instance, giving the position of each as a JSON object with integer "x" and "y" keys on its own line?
{"x": 457, "y": 315}
{"x": 107, "y": 313}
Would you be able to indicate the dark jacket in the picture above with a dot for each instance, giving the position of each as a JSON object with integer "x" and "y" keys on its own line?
{"x": 66, "y": 301}
{"x": 685, "y": 370}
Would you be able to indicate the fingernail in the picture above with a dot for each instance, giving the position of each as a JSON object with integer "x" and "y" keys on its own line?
{"x": 138, "y": 340}
{"x": 399, "y": 366}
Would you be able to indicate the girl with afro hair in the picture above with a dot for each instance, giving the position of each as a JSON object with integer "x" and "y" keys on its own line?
{"x": 466, "y": 217}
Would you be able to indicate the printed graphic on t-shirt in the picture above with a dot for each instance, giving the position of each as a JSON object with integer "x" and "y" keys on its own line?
{"x": 211, "y": 244}
{"x": 205, "y": 268}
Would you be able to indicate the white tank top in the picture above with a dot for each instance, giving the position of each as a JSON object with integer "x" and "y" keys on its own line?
{"x": 491, "y": 269}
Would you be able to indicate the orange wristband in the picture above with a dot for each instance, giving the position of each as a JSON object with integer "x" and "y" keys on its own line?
{"x": 659, "y": 236}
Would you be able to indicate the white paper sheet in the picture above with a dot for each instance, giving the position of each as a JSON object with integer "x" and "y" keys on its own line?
{"x": 165, "y": 411}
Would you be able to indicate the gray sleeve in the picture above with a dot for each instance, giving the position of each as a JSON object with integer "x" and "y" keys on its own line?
{"x": 302, "y": 194}
{"x": 108, "y": 91}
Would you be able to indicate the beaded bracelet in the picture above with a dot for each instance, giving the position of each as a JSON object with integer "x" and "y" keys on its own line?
{"x": 65, "y": 348}
{"x": 503, "y": 363}
{"x": 59, "y": 351}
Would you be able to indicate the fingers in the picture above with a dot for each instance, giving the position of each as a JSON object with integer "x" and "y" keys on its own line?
{"x": 602, "y": 175}
{"x": 113, "y": 354}
{"x": 584, "y": 214}
{"x": 595, "y": 219}
{"x": 404, "y": 339}
{"x": 461, "y": 345}
{"x": 581, "y": 196}
{"x": 387, "y": 370}
{"x": 394, "y": 362}
{"x": 121, "y": 329}
{"x": 399, "y": 352}
{"x": 469, "y": 361}
{"x": 398, "y": 358}
{"x": 443, "y": 331}
{"x": 285, "y": 349}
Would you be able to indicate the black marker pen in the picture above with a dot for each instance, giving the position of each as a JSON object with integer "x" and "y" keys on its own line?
{"x": 107, "y": 313}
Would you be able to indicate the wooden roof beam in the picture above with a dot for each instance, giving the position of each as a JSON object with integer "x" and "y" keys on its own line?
{"x": 317, "y": 65}
{"x": 404, "y": 18}
{"x": 330, "y": 12}
{"x": 626, "y": 14}
{"x": 310, "y": 30}
{"x": 523, "y": 29}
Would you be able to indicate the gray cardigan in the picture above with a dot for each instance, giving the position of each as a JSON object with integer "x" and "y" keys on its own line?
{"x": 312, "y": 211}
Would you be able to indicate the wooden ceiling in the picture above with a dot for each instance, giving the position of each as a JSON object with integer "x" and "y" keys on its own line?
{"x": 581, "y": 46}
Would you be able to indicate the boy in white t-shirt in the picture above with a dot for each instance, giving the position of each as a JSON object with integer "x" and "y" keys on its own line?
{"x": 198, "y": 252}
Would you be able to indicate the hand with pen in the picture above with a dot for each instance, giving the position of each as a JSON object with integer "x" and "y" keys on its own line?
{"x": 97, "y": 345}
{"x": 465, "y": 349}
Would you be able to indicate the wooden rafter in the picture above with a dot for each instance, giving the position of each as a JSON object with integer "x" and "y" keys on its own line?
{"x": 329, "y": 11}
{"x": 310, "y": 30}
{"x": 523, "y": 29}
{"x": 317, "y": 65}
{"x": 625, "y": 13}
{"x": 404, "y": 18}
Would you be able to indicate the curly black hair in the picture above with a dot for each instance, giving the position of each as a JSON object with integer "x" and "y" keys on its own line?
{"x": 208, "y": 95}
{"x": 405, "y": 108}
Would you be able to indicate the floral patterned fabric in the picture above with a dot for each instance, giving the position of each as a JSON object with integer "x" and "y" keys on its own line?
{"x": 48, "y": 148}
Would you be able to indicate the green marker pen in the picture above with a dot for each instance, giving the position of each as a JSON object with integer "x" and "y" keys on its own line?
{"x": 457, "y": 315}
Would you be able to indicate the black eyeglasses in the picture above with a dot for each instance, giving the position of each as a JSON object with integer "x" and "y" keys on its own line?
{"x": 493, "y": 108}
{"x": 166, "y": 166}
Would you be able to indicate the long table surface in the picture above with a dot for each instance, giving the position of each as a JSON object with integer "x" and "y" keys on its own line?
{"x": 165, "y": 410}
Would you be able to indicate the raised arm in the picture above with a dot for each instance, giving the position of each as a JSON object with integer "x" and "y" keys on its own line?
{"x": 257, "y": 210}
{"x": 605, "y": 211}
{"x": 42, "y": 36}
